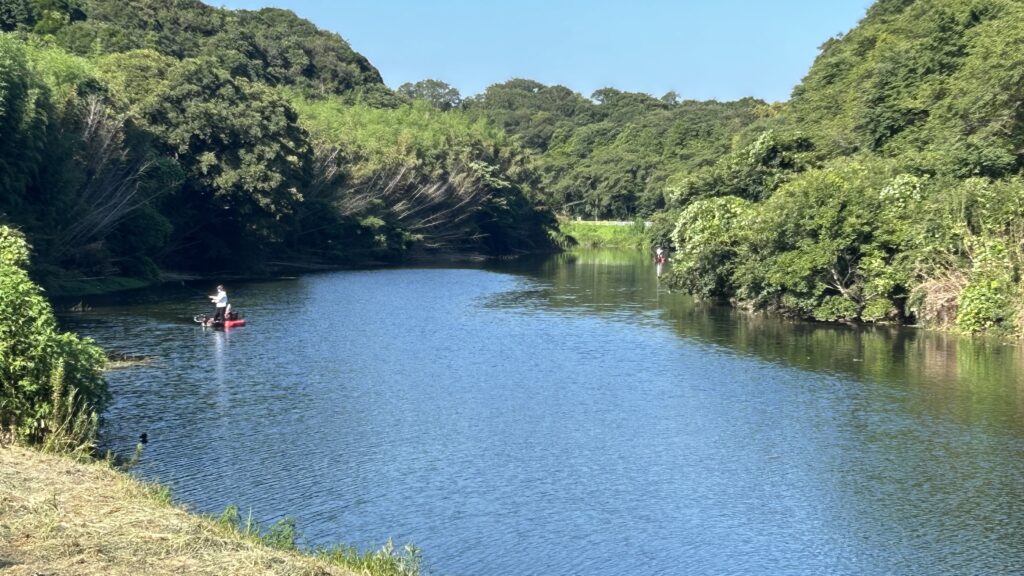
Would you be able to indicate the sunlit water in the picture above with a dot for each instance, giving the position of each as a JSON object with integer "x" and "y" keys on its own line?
{"x": 570, "y": 416}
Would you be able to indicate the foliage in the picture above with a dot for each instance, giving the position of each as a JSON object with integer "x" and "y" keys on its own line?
{"x": 810, "y": 247}
{"x": 282, "y": 535}
{"x": 171, "y": 153}
{"x": 441, "y": 95}
{"x": 385, "y": 562}
{"x": 706, "y": 242}
{"x": 826, "y": 245}
{"x": 51, "y": 386}
{"x": 72, "y": 426}
{"x": 243, "y": 153}
{"x": 611, "y": 156}
{"x": 69, "y": 151}
{"x": 271, "y": 45}
{"x": 752, "y": 171}
{"x": 986, "y": 302}
{"x": 932, "y": 81}
{"x": 413, "y": 176}
{"x": 531, "y": 110}
{"x": 39, "y": 16}
{"x": 887, "y": 189}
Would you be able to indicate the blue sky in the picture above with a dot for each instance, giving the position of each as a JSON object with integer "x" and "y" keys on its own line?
{"x": 702, "y": 49}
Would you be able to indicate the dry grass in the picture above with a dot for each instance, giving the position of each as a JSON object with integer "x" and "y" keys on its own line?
{"x": 938, "y": 298}
{"x": 61, "y": 517}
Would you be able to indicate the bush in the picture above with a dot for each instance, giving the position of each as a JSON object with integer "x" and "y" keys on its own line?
{"x": 51, "y": 382}
{"x": 986, "y": 303}
{"x": 706, "y": 239}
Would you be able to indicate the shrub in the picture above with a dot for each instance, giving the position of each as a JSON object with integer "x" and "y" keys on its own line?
{"x": 706, "y": 240}
{"x": 987, "y": 301}
{"x": 51, "y": 382}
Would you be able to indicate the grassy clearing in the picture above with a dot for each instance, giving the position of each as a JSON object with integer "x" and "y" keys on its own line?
{"x": 58, "y": 516}
{"x": 606, "y": 234}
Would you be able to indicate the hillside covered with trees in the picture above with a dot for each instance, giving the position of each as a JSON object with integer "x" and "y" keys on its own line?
{"x": 887, "y": 189}
{"x": 140, "y": 135}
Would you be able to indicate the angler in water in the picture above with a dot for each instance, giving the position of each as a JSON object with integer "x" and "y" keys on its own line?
{"x": 224, "y": 317}
{"x": 220, "y": 300}
{"x": 660, "y": 257}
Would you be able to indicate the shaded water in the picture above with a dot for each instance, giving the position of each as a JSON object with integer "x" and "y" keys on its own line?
{"x": 570, "y": 416}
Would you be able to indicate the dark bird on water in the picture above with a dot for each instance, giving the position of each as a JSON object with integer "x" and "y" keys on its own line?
{"x": 143, "y": 438}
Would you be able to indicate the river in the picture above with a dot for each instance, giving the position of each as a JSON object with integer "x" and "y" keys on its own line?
{"x": 570, "y": 415}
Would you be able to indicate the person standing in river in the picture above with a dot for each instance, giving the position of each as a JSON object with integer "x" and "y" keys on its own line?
{"x": 220, "y": 300}
{"x": 660, "y": 258}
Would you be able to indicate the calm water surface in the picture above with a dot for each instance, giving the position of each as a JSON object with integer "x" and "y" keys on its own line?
{"x": 570, "y": 416}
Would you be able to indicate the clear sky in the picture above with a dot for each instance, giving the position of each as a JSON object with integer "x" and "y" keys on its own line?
{"x": 702, "y": 49}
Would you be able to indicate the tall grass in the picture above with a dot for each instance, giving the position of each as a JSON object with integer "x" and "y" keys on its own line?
{"x": 283, "y": 535}
{"x": 384, "y": 562}
{"x": 603, "y": 234}
{"x": 71, "y": 426}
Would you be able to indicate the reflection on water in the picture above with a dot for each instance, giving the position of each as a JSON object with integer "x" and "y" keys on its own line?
{"x": 570, "y": 415}
{"x": 973, "y": 380}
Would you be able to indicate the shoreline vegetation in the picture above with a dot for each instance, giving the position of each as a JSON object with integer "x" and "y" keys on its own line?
{"x": 87, "y": 518}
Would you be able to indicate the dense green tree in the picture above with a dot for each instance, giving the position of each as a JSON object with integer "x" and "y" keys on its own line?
{"x": 39, "y": 16}
{"x": 23, "y": 123}
{"x": 68, "y": 151}
{"x": 292, "y": 51}
{"x": 440, "y": 94}
{"x": 623, "y": 169}
{"x": 707, "y": 244}
{"x": 245, "y": 159}
{"x": 613, "y": 155}
{"x": 531, "y": 110}
{"x": 887, "y": 188}
{"x": 753, "y": 171}
{"x": 271, "y": 45}
{"x": 15, "y": 14}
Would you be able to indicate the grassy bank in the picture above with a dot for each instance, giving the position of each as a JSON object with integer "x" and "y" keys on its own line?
{"x": 58, "y": 516}
{"x": 606, "y": 234}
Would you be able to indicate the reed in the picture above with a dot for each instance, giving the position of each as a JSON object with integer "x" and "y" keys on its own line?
{"x": 284, "y": 535}
{"x": 71, "y": 426}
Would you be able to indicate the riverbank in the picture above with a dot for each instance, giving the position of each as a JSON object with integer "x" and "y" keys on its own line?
{"x": 58, "y": 516}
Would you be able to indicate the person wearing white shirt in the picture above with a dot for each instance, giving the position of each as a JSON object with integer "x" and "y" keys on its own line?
{"x": 220, "y": 300}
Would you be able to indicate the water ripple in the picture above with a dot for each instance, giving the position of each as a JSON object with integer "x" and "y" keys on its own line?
{"x": 571, "y": 420}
